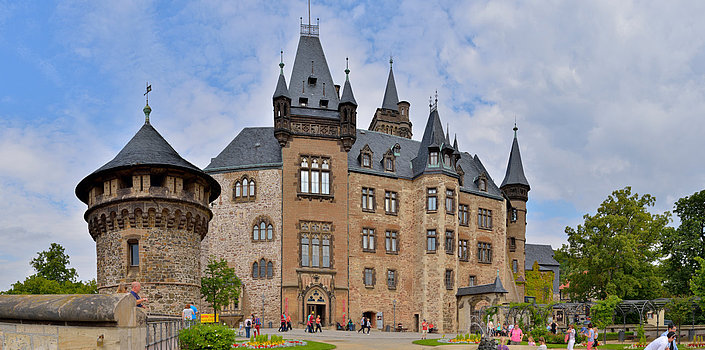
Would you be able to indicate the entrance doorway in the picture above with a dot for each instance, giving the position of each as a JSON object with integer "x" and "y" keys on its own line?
{"x": 416, "y": 323}
{"x": 318, "y": 310}
{"x": 370, "y": 316}
{"x": 315, "y": 302}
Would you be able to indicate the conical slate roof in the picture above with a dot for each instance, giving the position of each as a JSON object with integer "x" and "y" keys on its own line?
{"x": 149, "y": 148}
{"x": 281, "y": 89}
{"x": 432, "y": 137}
{"x": 310, "y": 61}
{"x": 515, "y": 170}
{"x": 348, "y": 96}
{"x": 390, "y": 93}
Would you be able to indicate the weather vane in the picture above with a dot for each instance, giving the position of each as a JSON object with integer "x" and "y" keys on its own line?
{"x": 146, "y": 94}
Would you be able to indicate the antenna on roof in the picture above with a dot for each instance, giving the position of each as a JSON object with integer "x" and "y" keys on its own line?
{"x": 147, "y": 110}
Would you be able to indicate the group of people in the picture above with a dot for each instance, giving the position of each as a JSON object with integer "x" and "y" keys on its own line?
{"x": 365, "y": 324}
{"x": 313, "y": 323}
{"x": 190, "y": 313}
{"x": 285, "y": 324}
{"x": 253, "y": 322}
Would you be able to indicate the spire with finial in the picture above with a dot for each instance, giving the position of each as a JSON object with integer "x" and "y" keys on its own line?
{"x": 147, "y": 110}
{"x": 347, "y": 96}
{"x": 434, "y": 105}
{"x": 391, "y": 98}
{"x": 347, "y": 69}
{"x": 515, "y": 127}
{"x": 281, "y": 63}
{"x": 391, "y": 60}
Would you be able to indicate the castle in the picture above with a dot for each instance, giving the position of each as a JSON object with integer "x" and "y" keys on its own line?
{"x": 315, "y": 214}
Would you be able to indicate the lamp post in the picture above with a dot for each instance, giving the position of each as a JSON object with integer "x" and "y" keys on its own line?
{"x": 394, "y": 312}
{"x": 262, "y": 317}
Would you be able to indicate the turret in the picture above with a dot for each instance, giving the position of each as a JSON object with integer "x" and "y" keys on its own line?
{"x": 348, "y": 114}
{"x": 393, "y": 117}
{"x": 515, "y": 186}
{"x": 282, "y": 108}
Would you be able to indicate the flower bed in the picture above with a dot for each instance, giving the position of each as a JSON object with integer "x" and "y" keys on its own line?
{"x": 461, "y": 339}
{"x": 268, "y": 344}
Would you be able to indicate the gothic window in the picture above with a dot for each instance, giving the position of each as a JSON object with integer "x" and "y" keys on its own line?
{"x": 316, "y": 245}
{"x": 392, "y": 279}
{"x": 255, "y": 270}
{"x": 450, "y": 201}
{"x": 433, "y": 158}
{"x": 368, "y": 240}
{"x": 304, "y": 250}
{"x": 431, "y": 241}
{"x": 463, "y": 249}
{"x": 450, "y": 240}
{"x": 252, "y": 188}
{"x": 390, "y": 202}
{"x": 391, "y": 242}
{"x": 449, "y": 279}
{"x": 484, "y": 219}
{"x": 244, "y": 189}
{"x": 270, "y": 270}
{"x": 238, "y": 189}
{"x": 431, "y": 199}
{"x": 315, "y": 251}
{"x": 325, "y": 252}
{"x": 368, "y": 199}
{"x": 262, "y": 230}
{"x": 262, "y": 269}
{"x": 484, "y": 252}
{"x": 314, "y": 175}
{"x": 463, "y": 214}
{"x": 369, "y": 277}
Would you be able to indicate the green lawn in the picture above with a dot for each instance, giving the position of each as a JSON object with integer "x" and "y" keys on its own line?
{"x": 314, "y": 345}
{"x": 432, "y": 342}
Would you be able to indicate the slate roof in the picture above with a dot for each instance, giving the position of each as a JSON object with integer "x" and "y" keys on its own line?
{"x": 147, "y": 147}
{"x": 310, "y": 57}
{"x": 281, "y": 89}
{"x": 348, "y": 96}
{"x": 515, "y": 170}
{"x": 391, "y": 99}
{"x": 541, "y": 253}
{"x": 495, "y": 287}
{"x": 432, "y": 137}
{"x": 244, "y": 152}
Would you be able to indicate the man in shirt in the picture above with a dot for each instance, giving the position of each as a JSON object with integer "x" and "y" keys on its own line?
{"x": 195, "y": 311}
{"x": 136, "y": 287}
{"x": 662, "y": 342}
{"x": 671, "y": 328}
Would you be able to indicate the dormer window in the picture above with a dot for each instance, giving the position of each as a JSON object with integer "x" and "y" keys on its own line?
{"x": 446, "y": 160}
{"x": 366, "y": 157}
{"x": 397, "y": 150}
{"x": 312, "y": 80}
{"x": 303, "y": 101}
{"x": 389, "y": 164}
{"x": 366, "y": 161}
{"x": 482, "y": 182}
{"x": 433, "y": 158}
{"x": 324, "y": 104}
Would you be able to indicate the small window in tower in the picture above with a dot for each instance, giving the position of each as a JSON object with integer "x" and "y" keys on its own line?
{"x": 312, "y": 80}
{"x": 134, "y": 250}
{"x": 324, "y": 103}
{"x": 303, "y": 101}
{"x": 514, "y": 215}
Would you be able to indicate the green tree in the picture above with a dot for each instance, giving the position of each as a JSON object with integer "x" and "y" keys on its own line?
{"x": 53, "y": 276}
{"x": 602, "y": 313}
{"x": 685, "y": 244}
{"x": 53, "y": 264}
{"x": 679, "y": 310}
{"x": 613, "y": 251}
{"x": 220, "y": 285}
{"x": 697, "y": 283}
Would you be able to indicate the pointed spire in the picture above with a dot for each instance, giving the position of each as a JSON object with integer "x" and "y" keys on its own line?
{"x": 447, "y": 135}
{"x": 281, "y": 90}
{"x": 455, "y": 142}
{"x": 391, "y": 99}
{"x": 515, "y": 169}
{"x": 347, "y": 96}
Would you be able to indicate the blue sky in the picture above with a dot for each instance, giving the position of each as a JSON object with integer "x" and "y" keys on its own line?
{"x": 606, "y": 94}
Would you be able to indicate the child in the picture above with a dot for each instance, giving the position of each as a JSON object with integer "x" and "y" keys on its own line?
{"x": 531, "y": 341}
{"x": 501, "y": 345}
{"x": 543, "y": 344}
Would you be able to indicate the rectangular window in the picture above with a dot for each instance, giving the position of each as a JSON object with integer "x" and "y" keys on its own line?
{"x": 390, "y": 243}
{"x": 389, "y": 164}
{"x": 484, "y": 252}
{"x": 512, "y": 244}
{"x": 484, "y": 218}
{"x": 463, "y": 249}
{"x": 514, "y": 215}
{"x": 471, "y": 282}
{"x": 390, "y": 202}
{"x": 369, "y": 277}
{"x": 449, "y": 279}
{"x": 431, "y": 199}
{"x": 304, "y": 251}
{"x": 368, "y": 240}
{"x": 315, "y": 249}
{"x": 325, "y": 182}
{"x": 304, "y": 181}
{"x": 314, "y": 175}
{"x": 450, "y": 201}
{"x": 433, "y": 159}
{"x": 366, "y": 161}
{"x": 515, "y": 266}
{"x": 134, "y": 249}
{"x": 314, "y": 181}
{"x": 368, "y": 199}
{"x": 431, "y": 241}
{"x": 325, "y": 253}
{"x": 391, "y": 279}
{"x": 450, "y": 240}
{"x": 463, "y": 214}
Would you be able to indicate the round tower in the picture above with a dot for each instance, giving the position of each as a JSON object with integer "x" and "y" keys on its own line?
{"x": 147, "y": 213}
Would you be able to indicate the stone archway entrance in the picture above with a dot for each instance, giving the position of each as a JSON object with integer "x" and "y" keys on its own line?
{"x": 316, "y": 302}
{"x": 371, "y": 315}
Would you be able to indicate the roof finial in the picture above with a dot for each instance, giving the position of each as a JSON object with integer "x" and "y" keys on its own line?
{"x": 347, "y": 68}
{"x": 147, "y": 110}
{"x": 309, "y": 12}
{"x": 515, "y": 126}
{"x": 391, "y": 60}
{"x": 497, "y": 273}
{"x": 281, "y": 63}
{"x": 434, "y": 105}
{"x": 430, "y": 104}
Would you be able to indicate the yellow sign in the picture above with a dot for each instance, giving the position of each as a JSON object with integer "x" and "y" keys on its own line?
{"x": 208, "y": 318}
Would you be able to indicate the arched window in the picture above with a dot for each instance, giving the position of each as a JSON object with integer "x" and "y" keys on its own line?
{"x": 270, "y": 270}
{"x": 244, "y": 188}
{"x": 252, "y": 188}
{"x": 255, "y": 232}
{"x": 262, "y": 268}
{"x": 238, "y": 189}
{"x": 262, "y": 230}
{"x": 269, "y": 232}
{"x": 255, "y": 270}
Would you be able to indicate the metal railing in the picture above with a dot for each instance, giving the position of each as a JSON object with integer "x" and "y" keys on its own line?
{"x": 164, "y": 333}
{"x": 309, "y": 29}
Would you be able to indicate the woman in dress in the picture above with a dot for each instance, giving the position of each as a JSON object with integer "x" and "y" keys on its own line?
{"x": 571, "y": 337}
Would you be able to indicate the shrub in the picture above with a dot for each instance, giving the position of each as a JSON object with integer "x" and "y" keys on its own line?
{"x": 207, "y": 336}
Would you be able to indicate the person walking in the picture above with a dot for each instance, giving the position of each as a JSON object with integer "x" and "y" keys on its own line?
{"x": 369, "y": 326}
{"x": 187, "y": 313}
{"x": 671, "y": 328}
{"x": 196, "y": 316}
{"x": 571, "y": 337}
{"x": 515, "y": 335}
{"x": 662, "y": 342}
{"x": 424, "y": 329}
{"x": 309, "y": 322}
{"x": 362, "y": 325}
{"x": 282, "y": 326}
{"x": 590, "y": 335}
{"x": 318, "y": 324}
{"x": 248, "y": 326}
{"x": 288, "y": 322}
{"x": 258, "y": 323}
